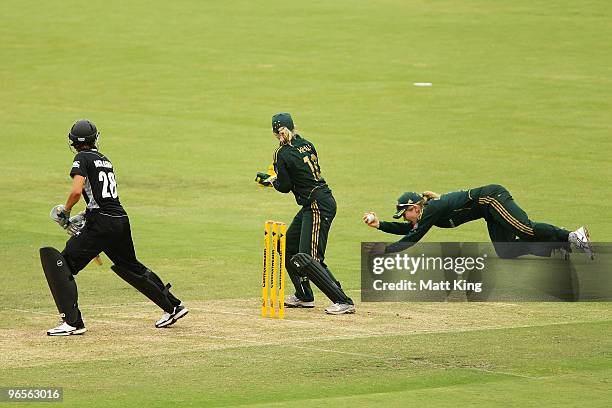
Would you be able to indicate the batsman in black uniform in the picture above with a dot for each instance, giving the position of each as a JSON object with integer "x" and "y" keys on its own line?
{"x": 297, "y": 170}
{"x": 512, "y": 232}
{"x": 106, "y": 229}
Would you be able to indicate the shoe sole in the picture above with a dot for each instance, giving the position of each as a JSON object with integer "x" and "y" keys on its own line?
{"x": 72, "y": 333}
{"x": 347, "y": 311}
{"x": 299, "y": 305}
{"x": 170, "y": 322}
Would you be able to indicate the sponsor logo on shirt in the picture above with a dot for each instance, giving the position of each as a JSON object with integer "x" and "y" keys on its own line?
{"x": 76, "y": 164}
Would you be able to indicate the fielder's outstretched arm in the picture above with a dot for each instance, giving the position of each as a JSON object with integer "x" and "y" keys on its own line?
{"x": 415, "y": 234}
{"x": 397, "y": 228}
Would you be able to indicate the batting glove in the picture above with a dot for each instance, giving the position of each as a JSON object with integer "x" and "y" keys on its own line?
{"x": 76, "y": 224}
{"x": 63, "y": 216}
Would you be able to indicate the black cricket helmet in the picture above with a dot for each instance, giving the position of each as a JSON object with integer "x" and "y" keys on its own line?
{"x": 83, "y": 132}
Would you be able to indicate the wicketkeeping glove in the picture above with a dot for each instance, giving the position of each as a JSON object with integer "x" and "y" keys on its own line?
{"x": 264, "y": 179}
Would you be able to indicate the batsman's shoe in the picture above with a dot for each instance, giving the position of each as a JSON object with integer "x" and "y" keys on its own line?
{"x": 65, "y": 329}
{"x": 581, "y": 241}
{"x": 340, "y": 308}
{"x": 168, "y": 319}
{"x": 294, "y": 301}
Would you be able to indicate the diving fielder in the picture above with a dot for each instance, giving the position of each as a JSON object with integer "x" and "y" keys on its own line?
{"x": 297, "y": 170}
{"x": 512, "y": 232}
{"x": 106, "y": 229}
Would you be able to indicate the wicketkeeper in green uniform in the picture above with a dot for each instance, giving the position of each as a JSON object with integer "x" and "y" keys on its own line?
{"x": 512, "y": 232}
{"x": 297, "y": 170}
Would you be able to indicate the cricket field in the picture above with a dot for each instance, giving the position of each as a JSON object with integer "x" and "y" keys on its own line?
{"x": 183, "y": 92}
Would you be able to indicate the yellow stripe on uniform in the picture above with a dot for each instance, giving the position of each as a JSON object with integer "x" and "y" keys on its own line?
{"x": 276, "y": 154}
{"x": 317, "y": 228}
{"x": 316, "y": 224}
{"x": 528, "y": 229}
{"x": 506, "y": 215}
{"x": 522, "y": 227}
{"x": 312, "y": 253}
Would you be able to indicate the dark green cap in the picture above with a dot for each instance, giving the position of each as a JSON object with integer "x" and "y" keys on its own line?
{"x": 407, "y": 200}
{"x": 282, "y": 119}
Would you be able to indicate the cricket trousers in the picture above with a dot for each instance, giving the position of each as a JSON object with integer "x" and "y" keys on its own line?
{"x": 113, "y": 236}
{"x": 512, "y": 232}
{"x": 308, "y": 234}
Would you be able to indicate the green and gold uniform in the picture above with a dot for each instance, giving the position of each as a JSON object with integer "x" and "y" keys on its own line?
{"x": 506, "y": 222}
{"x": 298, "y": 171}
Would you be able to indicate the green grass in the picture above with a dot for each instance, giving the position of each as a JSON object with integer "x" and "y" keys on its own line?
{"x": 183, "y": 93}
